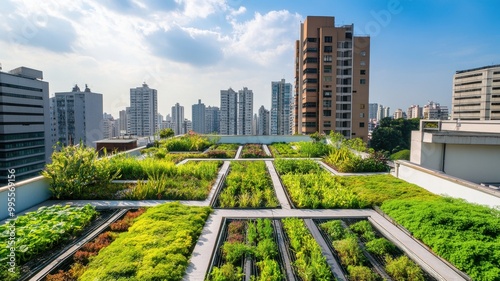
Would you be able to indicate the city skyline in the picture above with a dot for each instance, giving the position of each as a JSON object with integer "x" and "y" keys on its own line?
{"x": 187, "y": 47}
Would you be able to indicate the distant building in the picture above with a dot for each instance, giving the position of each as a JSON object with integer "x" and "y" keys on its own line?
{"x": 332, "y": 79}
{"x": 198, "y": 116}
{"x": 372, "y": 111}
{"x": 187, "y": 126}
{"x": 281, "y": 97}
{"x": 143, "y": 111}
{"x": 476, "y": 94}
{"x": 79, "y": 117}
{"x": 123, "y": 122}
{"x": 25, "y": 128}
{"x": 178, "y": 119}
{"x": 255, "y": 130}
{"x": 414, "y": 111}
{"x": 116, "y": 144}
{"x": 245, "y": 112}
{"x": 434, "y": 111}
{"x": 212, "y": 120}
{"x": 263, "y": 121}
{"x": 383, "y": 112}
{"x": 399, "y": 113}
{"x": 110, "y": 126}
{"x": 228, "y": 112}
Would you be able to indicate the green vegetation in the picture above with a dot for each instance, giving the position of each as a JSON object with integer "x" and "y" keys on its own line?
{"x": 39, "y": 231}
{"x": 253, "y": 151}
{"x": 156, "y": 247}
{"x": 403, "y": 269}
{"x": 299, "y": 149}
{"x": 191, "y": 181}
{"x": 465, "y": 234}
{"x": 309, "y": 263}
{"x": 393, "y": 135}
{"x": 188, "y": 142}
{"x": 248, "y": 185}
{"x": 76, "y": 172}
{"x": 82, "y": 257}
{"x": 401, "y": 155}
{"x": 224, "y": 150}
{"x": 306, "y": 166}
{"x": 259, "y": 245}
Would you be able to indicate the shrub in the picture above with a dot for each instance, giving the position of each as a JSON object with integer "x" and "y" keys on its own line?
{"x": 403, "y": 269}
{"x": 306, "y": 166}
{"x": 227, "y": 272}
{"x": 380, "y": 247}
{"x": 401, "y": 155}
{"x": 363, "y": 228}
{"x": 349, "y": 251}
{"x": 361, "y": 273}
{"x": 334, "y": 229}
{"x": 76, "y": 172}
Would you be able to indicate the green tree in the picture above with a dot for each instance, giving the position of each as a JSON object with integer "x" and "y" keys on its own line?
{"x": 166, "y": 133}
{"x": 386, "y": 139}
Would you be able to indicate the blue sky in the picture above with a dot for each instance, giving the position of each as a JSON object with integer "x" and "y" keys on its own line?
{"x": 191, "y": 49}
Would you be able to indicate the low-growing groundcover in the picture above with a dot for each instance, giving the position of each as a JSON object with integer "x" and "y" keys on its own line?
{"x": 157, "y": 246}
{"x": 248, "y": 184}
{"x": 465, "y": 234}
{"x": 39, "y": 231}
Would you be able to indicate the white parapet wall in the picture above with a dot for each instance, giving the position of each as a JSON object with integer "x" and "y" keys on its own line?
{"x": 443, "y": 184}
{"x": 27, "y": 194}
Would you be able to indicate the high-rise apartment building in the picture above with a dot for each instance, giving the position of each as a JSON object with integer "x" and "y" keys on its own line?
{"x": 372, "y": 111}
{"x": 281, "y": 99}
{"x": 414, "y": 111}
{"x": 245, "y": 112}
{"x": 143, "y": 119}
{"x": 25, "y": 123}
{"x": 198, "y": 114}
{"x": 332, "y": 79}
{"x": 212, "y": 120}
{"x": 79, "y": 117}
{"x": 476, "y": 94}
{"x": 122, "y": 127}
{"x": 399, "y": 113}
{"x": 178, "y": 119}
{"x": 228, "y": 112}
{"x": 435, "y": 111}
{"x": 263, "y": 121}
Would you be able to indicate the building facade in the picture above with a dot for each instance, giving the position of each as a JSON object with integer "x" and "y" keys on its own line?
{"x": 281, "y": 99}
{"x": 212, "y": 120}
{"x": 414, "y": 111}
{"x": 198, "y": 117}
{"x": 245, "y": 112}
{"x": 178, "y": 119}
{"x": 79, "y": 117}
{"x": 476, "y": 94}
{"x": 263, "y": 122}
{"x": 332, "y": 79}
{"x": 25, "y": 134}
{"x": 143, "y": 119}
{"x": 228, "y": 112}
{"x": 435, "y": 111}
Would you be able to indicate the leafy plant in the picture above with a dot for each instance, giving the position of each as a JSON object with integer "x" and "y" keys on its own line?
{"x": 76, "y": 172}
{"x": 363, "y": 228}
{"x": 334, "y": 229}
{"x": 310, "y": 264}
{"x": 253, "y": 151}
{"x": 349, "y": 251}
{"x": 39, "y": 231}
{"x": 306, "y": 166}
{"x": 161, "y": 239}
{"x": 248, "y": 185}
{"x": 403, "y": 269}
{"x": 380, "y": 247}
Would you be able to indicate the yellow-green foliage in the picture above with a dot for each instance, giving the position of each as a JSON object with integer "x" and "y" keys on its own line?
{"x": 156, "y": 247}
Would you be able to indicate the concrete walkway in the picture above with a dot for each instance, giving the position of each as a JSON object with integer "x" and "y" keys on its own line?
{"x": 266, "y": 150}
{"x": 278, "y": 187}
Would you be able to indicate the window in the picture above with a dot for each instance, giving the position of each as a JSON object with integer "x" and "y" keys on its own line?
{"x": 311, "y": 70}
{"x": 311, "y": 39}
{"x": 328, "y": 58}
{"x": 327, "y": 49}
{"x": 362, "y": 72}
{"x": 327, "y": 94}
{"x": 327, "y": 124}
{"x": 327, "y": 103}
{"x": 327, "y": 69}
{"x": 363, "y": 63}
{"x": 362, "y": 115}
{"x": 310, "y": 80}
{"x": 328, "y": 39}
{"x": 327, "y": 113}
{"x": 309, "y": 114}
{"x": 362, "y": 106}
{"x": 363, "y": 53}
{"x": 311, "y": 60}
{"x": 362, "y": 81}
{"x": 327, "y": 78}
{"x": 361, "y": 124}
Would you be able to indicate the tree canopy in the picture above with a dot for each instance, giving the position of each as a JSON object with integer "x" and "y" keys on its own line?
{"x": 393, "y": 135}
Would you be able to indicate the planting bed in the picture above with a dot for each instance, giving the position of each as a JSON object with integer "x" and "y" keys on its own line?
{"x": 44, "y": 234}
{"x": 248, "y": 249}
{"x": 365, "y": 254}
{"x": 190, "y": 181}
{"x": 301, "y": 149}
{"x": 248, "y": 185}
{"x": 156, "y": 247}
{"x": 253, "y": 151}
{"x": 223, "y": 150}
